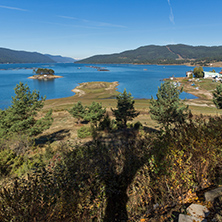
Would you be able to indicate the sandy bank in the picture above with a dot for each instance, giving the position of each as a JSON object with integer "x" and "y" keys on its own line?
{"x": 42, "y": 77}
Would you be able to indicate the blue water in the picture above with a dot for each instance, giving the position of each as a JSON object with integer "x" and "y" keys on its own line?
{"x": 139, "y": 82}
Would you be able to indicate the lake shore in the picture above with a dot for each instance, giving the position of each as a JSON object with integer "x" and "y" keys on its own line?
{"x": 44, "y": 77}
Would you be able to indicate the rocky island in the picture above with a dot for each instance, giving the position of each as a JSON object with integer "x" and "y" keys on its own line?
{"x": 44, "y": 74}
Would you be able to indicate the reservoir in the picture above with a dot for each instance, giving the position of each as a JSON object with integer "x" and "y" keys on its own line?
{"x": 142, "y": 81}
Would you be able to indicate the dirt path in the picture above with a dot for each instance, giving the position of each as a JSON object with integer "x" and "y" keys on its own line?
{"x": 179, "y": 56}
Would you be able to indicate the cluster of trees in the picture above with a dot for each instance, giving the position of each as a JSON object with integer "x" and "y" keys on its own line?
{"x": 167, "y": 109}
{"x": 44, "y": 71}
{"x": 92, "y": 113}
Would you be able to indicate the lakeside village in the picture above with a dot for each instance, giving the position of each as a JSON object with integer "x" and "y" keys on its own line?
{"x": 197, "y": 74}
{"x": 215, "y": 76}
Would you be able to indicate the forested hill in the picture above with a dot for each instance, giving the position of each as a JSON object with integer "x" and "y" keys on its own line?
{"x": 169, "y": 54}
{"x": 61, "y": 59}
{"x": 13, "y": 56}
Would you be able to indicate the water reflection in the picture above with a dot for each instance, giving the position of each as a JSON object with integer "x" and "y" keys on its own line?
{"x": 45, "y": 86}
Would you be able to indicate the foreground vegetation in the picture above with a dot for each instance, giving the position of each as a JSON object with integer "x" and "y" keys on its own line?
{"x": 128, "y": 171}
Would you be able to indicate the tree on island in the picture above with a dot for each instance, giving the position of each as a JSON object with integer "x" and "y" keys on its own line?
{"x": 20, "y": 117}
{"x": 125, "y": 109}
{"x": 198, "y": 72}
{"x": 44, "y": 71}
{"x": 167, "y": 109}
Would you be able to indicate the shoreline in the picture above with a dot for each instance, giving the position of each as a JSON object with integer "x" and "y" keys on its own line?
{"x": 44, "y": 77}
{"x": 107, "y": 86}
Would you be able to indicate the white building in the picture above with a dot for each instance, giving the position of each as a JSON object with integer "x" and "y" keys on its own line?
{"x": 212, "y": 75}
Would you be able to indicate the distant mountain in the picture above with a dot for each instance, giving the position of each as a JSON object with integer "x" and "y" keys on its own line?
{"x": 61, "y": 59}
{"x": 13, "y": 56}
{"x": 154, "y": 54}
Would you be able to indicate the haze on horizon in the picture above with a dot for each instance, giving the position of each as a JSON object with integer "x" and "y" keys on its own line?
{"x": 83, "y": 28}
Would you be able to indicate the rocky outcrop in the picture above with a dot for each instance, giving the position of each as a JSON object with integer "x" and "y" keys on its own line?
{"x": 200, "y": 213}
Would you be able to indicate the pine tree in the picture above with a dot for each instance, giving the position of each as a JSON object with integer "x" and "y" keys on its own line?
{"x": 125, "y": 109}
{"x": 78, "y": 111}
{"x": 217, "y": 96}
{"x": 94, "y": 113}
{"x": 167, "y": 109}
{"x": 20, "y": 117}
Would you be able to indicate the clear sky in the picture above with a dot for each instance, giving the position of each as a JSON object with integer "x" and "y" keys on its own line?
{"x": 83, "y": 28}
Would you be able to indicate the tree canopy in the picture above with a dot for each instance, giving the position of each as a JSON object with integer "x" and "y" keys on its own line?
{"x": 217, "y": 96}
{"x": 125, "y": 109}
{"x": 92, "y": 113}
{"x": 77, "y": 111}
{"x": 198, "y": 72}
{"x": 167, "y": 109}
{"x": 44, "y": 71}
{"x": 20, "y": 117}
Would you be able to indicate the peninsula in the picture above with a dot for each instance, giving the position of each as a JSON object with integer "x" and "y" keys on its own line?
{"x": 97, "y": 89}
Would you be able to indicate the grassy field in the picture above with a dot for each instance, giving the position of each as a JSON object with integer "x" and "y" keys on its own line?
{"x": 65, "y": 127}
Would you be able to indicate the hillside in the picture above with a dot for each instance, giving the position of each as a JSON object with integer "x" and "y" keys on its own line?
{"x": 14, "y": 56}
{"x": 60, "y": 59}
{"x": 169, "y": 54}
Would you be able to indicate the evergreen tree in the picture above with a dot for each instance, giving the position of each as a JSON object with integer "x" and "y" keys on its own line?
{"x": 94, "y": 113}
{"x": 217, "y": 96}
{"x": 78, "y": 111}
{"x": 167, "y": 109}
{"x": 20, "y": 117}
{"x": 125, "y": 109}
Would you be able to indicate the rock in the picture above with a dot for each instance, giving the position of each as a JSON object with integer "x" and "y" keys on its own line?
{"x": 188, "y": 218}
{"x": 211, "y": 195}
{"x": 198, "y": 210}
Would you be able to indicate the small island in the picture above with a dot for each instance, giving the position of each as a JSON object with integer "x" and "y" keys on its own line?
{"x": 44, "y": 74}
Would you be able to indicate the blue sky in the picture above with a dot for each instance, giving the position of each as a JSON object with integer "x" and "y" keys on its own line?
{"x": 83, "y": 28}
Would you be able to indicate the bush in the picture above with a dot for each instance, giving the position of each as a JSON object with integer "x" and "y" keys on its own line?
{"x": 117, "y": 180}
{"x": 138, "y": 125}
{"x": 188, "y": 158}
{"x": 105, "y": 124}
{"x": 84, "y": 132}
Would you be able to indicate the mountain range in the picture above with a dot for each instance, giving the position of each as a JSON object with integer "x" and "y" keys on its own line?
{"x": 168, "y": 54}
{"x": 14, "y": 56}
